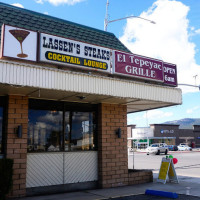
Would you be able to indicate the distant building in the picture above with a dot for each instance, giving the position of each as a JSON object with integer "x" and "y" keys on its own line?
{"x": 167, "y": 133}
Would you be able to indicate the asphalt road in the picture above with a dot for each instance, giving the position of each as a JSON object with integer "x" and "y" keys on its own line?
{"x": 187, "y": 168}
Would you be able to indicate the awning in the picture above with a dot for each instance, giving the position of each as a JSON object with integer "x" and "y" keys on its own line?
{"x": 37, "y": 81}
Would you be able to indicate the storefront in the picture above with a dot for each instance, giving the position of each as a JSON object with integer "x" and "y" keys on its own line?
{"x": 65, "y": 93}
{"x": 170, "y": 134}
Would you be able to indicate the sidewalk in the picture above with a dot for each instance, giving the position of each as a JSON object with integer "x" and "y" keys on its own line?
{"x": 186, "y": 188}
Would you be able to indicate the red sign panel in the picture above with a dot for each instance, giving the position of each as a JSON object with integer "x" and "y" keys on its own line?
{"x": 137, "y": 66}
{"x": 170, "y": 74}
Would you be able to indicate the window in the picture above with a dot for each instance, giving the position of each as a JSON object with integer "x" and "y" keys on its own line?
{"x": 45, "y": 130}
{"x": 58, "y": 126}
{"x": 82, "y": 131}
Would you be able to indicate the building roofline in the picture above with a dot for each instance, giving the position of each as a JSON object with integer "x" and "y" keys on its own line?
{"x": 55, "y": 18}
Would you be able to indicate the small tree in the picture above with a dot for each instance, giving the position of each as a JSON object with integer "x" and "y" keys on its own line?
{"x": 6, "y": 173}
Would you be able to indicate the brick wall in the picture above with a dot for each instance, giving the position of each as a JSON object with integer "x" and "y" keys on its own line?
{"x": 17, "y": 147}
{"x": 113, "y": 155}
{"x": 113, "y": 160}
{"x": 140, "y": 176}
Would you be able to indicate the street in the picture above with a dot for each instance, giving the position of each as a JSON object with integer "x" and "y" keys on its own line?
{"x": 187, "y": 168}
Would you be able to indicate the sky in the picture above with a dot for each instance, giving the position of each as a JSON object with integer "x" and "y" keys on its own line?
{"x": 174, "y": 38}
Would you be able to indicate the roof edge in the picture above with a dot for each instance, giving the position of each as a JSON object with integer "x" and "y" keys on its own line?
{"x": 55, "y": 18}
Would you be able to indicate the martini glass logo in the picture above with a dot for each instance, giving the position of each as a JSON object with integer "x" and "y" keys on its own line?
{"x": 20, "y": 36}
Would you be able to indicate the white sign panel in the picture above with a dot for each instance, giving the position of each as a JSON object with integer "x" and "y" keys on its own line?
{"x": 64, "y": 51}
{"x": 19, "y": 43}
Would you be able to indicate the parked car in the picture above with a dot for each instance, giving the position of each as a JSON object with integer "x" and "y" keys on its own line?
{"x": 157, "y": 148}
{"x": 182, "y": 144}
{"x": 172, "y": 147}
{"x": 184, "y": 148}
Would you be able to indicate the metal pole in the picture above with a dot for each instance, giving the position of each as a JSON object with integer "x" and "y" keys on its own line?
{"x": 106, "y": 21}
{"x": 106, "y": 17}
{"x": 190, "y": 85}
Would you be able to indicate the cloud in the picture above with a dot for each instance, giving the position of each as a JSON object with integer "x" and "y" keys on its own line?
{"x": 39, "y": 1}
{"x": 168, "y": 39}
{"x": 60, "y": 2}
{"x": 18, "y": 5}
{"x": 197, "y": 31}
{"x": 157, "y": 114}
{"x": 148, "y": 117}
{"x": 192, "y": 110}
{"x": 131, "y": 120}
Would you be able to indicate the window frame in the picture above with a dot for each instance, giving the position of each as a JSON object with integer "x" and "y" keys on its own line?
{"x": 38, "y": 104}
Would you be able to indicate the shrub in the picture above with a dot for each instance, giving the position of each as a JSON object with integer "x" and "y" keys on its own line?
{"x": 6, "y": 173}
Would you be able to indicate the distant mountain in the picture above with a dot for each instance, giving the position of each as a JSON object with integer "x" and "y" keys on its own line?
{"x": 186, "y": 123}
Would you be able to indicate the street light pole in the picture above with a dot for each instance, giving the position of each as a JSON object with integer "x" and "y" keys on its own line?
{"x": 190, "y": 85}
{"x": 106, "y": 21}
{"x": 106, "y": 18}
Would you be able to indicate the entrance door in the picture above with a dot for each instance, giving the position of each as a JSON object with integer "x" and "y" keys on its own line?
{"x": 62, "y": 146}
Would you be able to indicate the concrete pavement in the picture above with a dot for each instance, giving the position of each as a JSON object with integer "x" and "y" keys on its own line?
{"x": 184, "y": 187}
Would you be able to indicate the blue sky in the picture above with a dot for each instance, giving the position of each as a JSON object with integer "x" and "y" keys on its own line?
{"x": 175, "y": 38}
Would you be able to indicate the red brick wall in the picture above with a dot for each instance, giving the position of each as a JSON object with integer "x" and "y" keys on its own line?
{"x": 17, "y": 147}
{"x": 113, "y": 160}
{"x": 140, "y": 176}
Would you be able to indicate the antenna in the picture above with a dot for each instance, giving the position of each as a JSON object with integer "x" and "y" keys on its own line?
{"x": 106, "y": 17}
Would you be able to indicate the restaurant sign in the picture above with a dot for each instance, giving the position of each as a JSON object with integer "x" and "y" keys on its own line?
{"x": 64, "y": 51}
{"x": 141, "y": 67}
{"x": 19, "y": 43}
{"x": 170, "y": 74}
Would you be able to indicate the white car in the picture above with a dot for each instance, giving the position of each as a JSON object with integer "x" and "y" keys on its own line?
{"x": 158, "y": 148}
{"x": 184, "y": 148}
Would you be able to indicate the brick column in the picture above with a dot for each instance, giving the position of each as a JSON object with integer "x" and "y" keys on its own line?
{"x": 17, "y": 147}
{"x": 113, "y": 161}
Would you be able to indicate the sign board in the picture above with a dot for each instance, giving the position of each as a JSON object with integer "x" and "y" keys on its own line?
{"x": 137, "y": 66}
{"x": 170, "y": 74}
{"x": 54, "y": 49}
{"x": 167, "y": 170}
{"x": 166, "y": 131}
{"x": 19, "y": 43}
{"x": 172, "y": 173}
{"x": 22, "y": 44}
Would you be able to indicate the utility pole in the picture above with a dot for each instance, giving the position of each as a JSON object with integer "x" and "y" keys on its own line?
{"x": 106, "y": 17}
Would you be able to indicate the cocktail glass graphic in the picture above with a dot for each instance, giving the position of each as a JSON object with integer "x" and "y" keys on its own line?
{"x": 20, "y": 36}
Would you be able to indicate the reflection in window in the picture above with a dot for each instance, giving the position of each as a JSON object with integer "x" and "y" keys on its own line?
{"x": 67, "y": 131}
{"x": 82, "y": 131}
{"x": 1, "y": 125}
{"x": 45, "y": 130}
{"x": 55, "y": 126}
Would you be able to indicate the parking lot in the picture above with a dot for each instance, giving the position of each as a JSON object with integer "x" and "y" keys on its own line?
{"x": 187, "y": 168}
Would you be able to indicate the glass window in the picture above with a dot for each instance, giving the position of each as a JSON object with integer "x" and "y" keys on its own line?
{"x": 82, "y": 136}
{"x": 67, "y": 131}
{"x": 1, "y": 128}
{"x": 45, "y": 130}
{"x": 55, "y": 126}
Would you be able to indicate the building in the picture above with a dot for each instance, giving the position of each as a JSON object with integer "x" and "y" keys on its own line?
{"x": 170, "y": 134}
{"x": 65, "y": 91}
